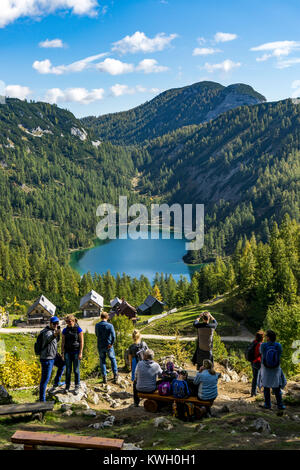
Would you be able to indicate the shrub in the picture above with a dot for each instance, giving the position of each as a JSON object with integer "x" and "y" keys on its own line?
{"x": 90, "y": 358}
{"x": 123, "y": 328}
{"x": 16, "y": 372}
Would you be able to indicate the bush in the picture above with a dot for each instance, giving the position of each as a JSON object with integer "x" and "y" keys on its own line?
{"x": 123, "y": 328}
{"x": 285, "y": 321}
{"x": 16, "y": 372}
{"x": 90, "y": 359}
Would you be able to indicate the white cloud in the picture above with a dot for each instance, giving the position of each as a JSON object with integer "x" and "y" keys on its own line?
{"x": 11, "y": 10}
{"x": 276, "y": 49}
{"x": 284, "y": 64}
{"x": 225, "y": 66}
{"x": 46, "y": 67}
{"x": 205, "y": 51}
{"x": 296, "y": 87}
{"x": 139, "y": 42}
{"x": 224, "y": 37}
{"x": 119, "y": 90}
{"x": 114, "y": 67}
{"x": 74, "y": 95}
{"x": 17, "y": 91}
{"x": 53, "y": 43}
{"x": 150, "y": 66}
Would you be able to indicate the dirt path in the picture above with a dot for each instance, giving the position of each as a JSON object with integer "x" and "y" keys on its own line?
{"x": 88, "y": 325}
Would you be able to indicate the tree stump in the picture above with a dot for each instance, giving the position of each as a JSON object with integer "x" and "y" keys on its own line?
{"x": 151, "y": 405}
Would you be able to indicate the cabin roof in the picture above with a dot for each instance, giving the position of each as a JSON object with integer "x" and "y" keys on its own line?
{"x": 115, "y": 301}
{"x": 150, "y": 300}
{"x": 124, "y": 305}
{"x": 45, "y": 303}
{"x": 92, "y": 296}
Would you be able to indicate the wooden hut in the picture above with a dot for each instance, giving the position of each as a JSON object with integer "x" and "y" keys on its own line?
{"x": 91, "y": 304}
{"x": 151, "y": 306}
{"x": 121, "y": 307}
{"x": 41, "y": 311}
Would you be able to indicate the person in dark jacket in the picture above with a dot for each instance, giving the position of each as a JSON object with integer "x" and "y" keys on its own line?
{"x": 256, "y": 363}
{"x": 50, "y": 357}
{"x": 136, "y": 351}
{"x": 106, "y": 336}
{"x": 71, "y": 350}
{"x": 206, "y": 325}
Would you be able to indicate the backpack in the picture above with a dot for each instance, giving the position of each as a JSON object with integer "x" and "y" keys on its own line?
{"x": 189, "y": 412}
{"x": 180, "y": 389}
{"x": 72, "y": 339}
{"x": 141, "y": 348}
{"x": 271, "y": 356}
{"x": 250, "y": 352}
{"x": 38, "y": 345}
{"x": 164, "y": 388}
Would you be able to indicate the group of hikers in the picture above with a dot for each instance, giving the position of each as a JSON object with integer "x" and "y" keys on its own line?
{"x": 146, "y": 374}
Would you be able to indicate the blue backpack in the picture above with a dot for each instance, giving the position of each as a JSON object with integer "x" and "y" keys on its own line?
{"x": 180, "y": 389}
{"x": 271, "y": 356}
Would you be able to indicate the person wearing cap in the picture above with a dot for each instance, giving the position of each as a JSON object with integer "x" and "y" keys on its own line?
{"x": 50, "y": 357}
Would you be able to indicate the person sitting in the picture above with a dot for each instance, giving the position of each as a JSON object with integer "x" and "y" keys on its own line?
{"x": 136, "y": 351}
{"x": 180, "y": 388}
{"x": 146, "y": 373}
{"x": 207, "y": 379}
{"x": 270, "y": 374}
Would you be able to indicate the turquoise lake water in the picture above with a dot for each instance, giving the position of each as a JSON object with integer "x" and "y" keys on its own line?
{"x": 135, "y": 257}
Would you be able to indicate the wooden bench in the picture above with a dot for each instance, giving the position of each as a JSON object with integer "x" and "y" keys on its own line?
{"x": 152, "y": 401}
{"x": 34, "y": 408}
{"x": 32, "y": 439}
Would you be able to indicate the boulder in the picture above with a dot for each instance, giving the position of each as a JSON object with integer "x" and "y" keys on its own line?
{"x": 262, "y": 426}
{"x": 233, "y": 375}
{"x": 5, "y": 397}
{"x": 163, "y": 423}
{"x": 130, "y": 446}
{"x": 244, "y": 379}
{"x": 93, "y": 398}
{"x": 91, "y": 413}
{"x": 68, "y": 413}
{"x": 65, "y": 407}
{"x": 226, "y": 378}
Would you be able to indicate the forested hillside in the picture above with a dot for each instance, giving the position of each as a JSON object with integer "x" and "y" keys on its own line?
{"x": 171, "y": 110}
{"x": 244, "y": 166}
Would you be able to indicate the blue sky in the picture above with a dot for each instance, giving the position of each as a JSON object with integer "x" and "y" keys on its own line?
{"x": 95, "y": 57}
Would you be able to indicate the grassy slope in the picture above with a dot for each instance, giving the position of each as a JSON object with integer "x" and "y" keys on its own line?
{"x": 181, "y": 322}
{"x": 182, "y": 436}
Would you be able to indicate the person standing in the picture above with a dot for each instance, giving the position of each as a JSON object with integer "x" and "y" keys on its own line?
{"x": 270, "y": 374}
{"x": 256, "y": 362}
{"x": 206, "y": 325}
{"x": 49, "y": 356}
{"x": 106, "y": 336}
{"x": 71, "y": 349}
{"x": 136, "y": 351}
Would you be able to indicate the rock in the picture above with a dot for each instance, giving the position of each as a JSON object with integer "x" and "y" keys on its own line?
{"x": 226, "y": 378}
{"x": 233, "y": 432}
{"x": 244, "y": 379}
{"x": 295, "y": 417}
{"x": 65, "y": 407}
{"x": 93, "y": 398}
{"x": 91, "y": 413}
{"x": 68, "y": 413}
{"x": 5, "y": 397}
{"x": 262, "y": 426}
{"x": 130, "y": 446}
{"x": 80, "y": 406}
{"x": 96, "y": 426}
{"x": 109, "y": 421}
{"x": 163, "y": 423}
{"x": 69, "y": 397}
{"x": 225, "y": 409}
{"x": 18, "y": 447}
{"x": 233, "y": 375}
{"x": 256, "y": 434}
{"x": 200, "y": 427}
{"x": 159, "y": 441}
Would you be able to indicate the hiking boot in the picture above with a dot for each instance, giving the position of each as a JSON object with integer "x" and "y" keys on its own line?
{"x": 104, "y": 379}
{"x": 66, "y": 391}
{"x": 77, "y": 388}
{"x": 116, "y": 377}
{"x": 53, "y": 389}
